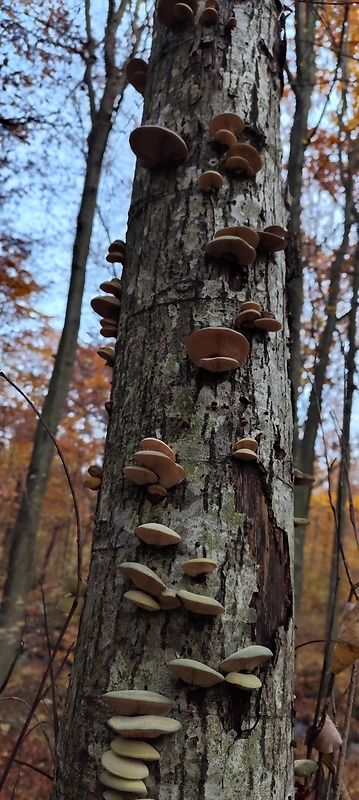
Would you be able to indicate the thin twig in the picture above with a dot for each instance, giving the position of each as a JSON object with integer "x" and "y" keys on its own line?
{"x": 52, "y": 682}
{"x": 32, "y": 766}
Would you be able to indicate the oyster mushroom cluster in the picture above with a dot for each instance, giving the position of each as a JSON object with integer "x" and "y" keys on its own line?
{"x": 253, "y": 316}
{"x": 155, "y": 467}
{"x": 241, "y": 160}
{"x": 246, "y": 449}
{"x": 140, "y": 715}
{"x": 198, "y": 674}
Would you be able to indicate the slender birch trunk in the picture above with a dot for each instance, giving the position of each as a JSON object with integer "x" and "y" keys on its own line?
{"x": 232, "y": 744}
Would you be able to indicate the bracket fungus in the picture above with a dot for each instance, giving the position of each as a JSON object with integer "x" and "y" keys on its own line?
{"x": 243, "y": 160}
{"x": 267, "y": 322}
{"x": 225, "y": 128}
{"x": 304, "y": 767}
{"x": 92, "y": 483}
{"x": 194, "y": 672}
{"x": 106, "y": 306}
{"x": 157, "y": 535}
{"x": 123, "y": 767}
{"x": 109, "y": 327}
{"x": 199, "y": 566}
{"x": 134, "y": 748}
{"x": 131, "y": 702}
{"x": 199, "y": 603}
{"x": 108, "y": 354}
{"x": 210, "y": 181}
{"x": 302, "y": 478}
{"x": 156, "y": 146}
{"x": 136, "y": 71}
{"x": 142, "y": 600}
{"x": 246, "y": 449}
{"x": 237, "y": 243}
{"x": 116, "y": 253}
{"x": 150, "y": 443}
{"x": 168, "y": 600}
{"x": 144, "y": 727}
{"x": 169, "y": 14}
{"x": 272, "y": 239}
{"x": 245, "y": 682}
{"x": 112, "y": 286}
{"x": 140, "y": 475}
{"x": 123, "y": 784}
{"x": 143, "y": 577}
{"x": 248, "y": 658}
{"x": 300, "y": 522}
{"x": 210, "y": 14}
{"x": 217, "y": 349}
{"x": 168, "y": 472}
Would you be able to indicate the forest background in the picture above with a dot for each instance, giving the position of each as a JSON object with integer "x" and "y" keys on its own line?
{"x": 53, "y": 78}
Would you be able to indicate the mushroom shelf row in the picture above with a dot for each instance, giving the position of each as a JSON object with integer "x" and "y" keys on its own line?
{"x": 155, "y": 467}
{"x": 152, "y": 594}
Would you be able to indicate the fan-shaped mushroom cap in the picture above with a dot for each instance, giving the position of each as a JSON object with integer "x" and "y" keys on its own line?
{"x": 233, "y": 248}
{"x": 136, "y": 72}
{"x": 95, "y": 471}
{"x": 92, "y": 483}
{"x": 166, "y": 11}
{"x": 199, "y": 603}
{"x": 247, "y": 658}
{"x": 168, "y": 600}
{"x": 329, "y": 738}
{"x": 267, "y": 324}
{"x": 245, "y": 682}
{"x": 143, "y": 577}
{"x": 156, "y": 146}
{"x": 244, "y": 454}
{"x": 132, "y": 702}
{"x": 112, "y": 286}
{"x": 224, "y": 123}
{"x": 156, "y": 491}
{"x": 208, "y": 343}
{"x": 142, "y": 600}
{"x": 246, "y": 316}
{"x": 168, "y": 472}
{"x": 304, "y": 767}
{"x": 231, "y": 23}
{"x": 209, "y": 16}
{"x": 242, "y": 232}
{"x": 140, "y": 475}
{"x": 250, "y": 305}
{"x": 108, "y": 354}
{"x": 183, "y": 12}
{"x": 302, "y": 478}
{"x": 272, "y": 239}
{"x": 134, "y": 748}
{"x": 146, "y": 727}
{"x": 199, "y": 566}
{"x": 66, "y": 603}
{"x": 194, "y": 672}
{"x": 106, "y": 306}
{"x": 157, "y": 535}
{"x": 210, "y": 181}
{"x": 247, "y": 154}
{"x": 157, "y": 444}
{"x": 113, "y": 795}
{"x": 122, "y": 784}
{"x": 70, "y": 583}
{"x": 246, "y": 442}
{"x": 131, "y": 768}
{"x": 299, "y": 522}
{"x": 118, "y": 245}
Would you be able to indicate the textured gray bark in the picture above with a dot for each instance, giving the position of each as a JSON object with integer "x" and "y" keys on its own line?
{"x": 21, "y": 556}
{"x": 231, "y": 744}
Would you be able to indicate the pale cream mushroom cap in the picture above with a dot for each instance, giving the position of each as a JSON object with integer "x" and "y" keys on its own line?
{"x": 131, "y": 768}
{"x": 199, "y": 603}
{"x": 247, "y": 658}
{"x": 232, "y": 247}
{"x": 168, "y": 472}
{"x": 150, "y": 443}
{"x": 135, "y": 748}
{"x": 143, "y": 577}
{"x": 144, "y": 727}
{"x": 134, "y": 702}
{"x": 106, "y": 305}
{"x": 157, "y": 535}
{"x": 65, "y": 604}
{"x": 122, "y": 784}
{"x": 194, "y": 672}
{"x": 142, "y": 600}
{"x": 168, "y": 600}
{"x": 304, "y": 767}
{"x": 209, "y": 343}
{"x": 140, "y": 475}
{"x": 245, "y": 682}
{"x": 70, "y": 583}
{"x": 199, "y": 566}
{"x": 156, "y": 146}
{"x": 299, "y": 522}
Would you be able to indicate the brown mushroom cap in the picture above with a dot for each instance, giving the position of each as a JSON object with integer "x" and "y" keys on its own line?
{"x": 118, "y": 245}
{"x": 267, "y": 324}
{"x": 209, "y": 16}
{"x": 249, "y": 154}
{"x": 199, "y": 566}
{"x": 140, "y": 475}
{"x": 136, "y": 72}
{"x": 132, "y": 702}
{"x": 250, "y": 305}
{"x": 142, "y": 600}
{"x": 247, "y": 658}
{"x": 156, "y": 146}
{"x": 217, "y": 342}
{"x": 299, "y": 522}
{"x": 245, "y": 455}
{"x": 168, "y": 472}
{"x": 106, "y": 306}
{"x": 165, "y": 11}
{"x": 245, "y": 682}
{"x": 244, "y": 317}
{"x": 210, "y": 181}
{"x": 183, "y": 12}
{"x": 108, "y": 354}
{"x": 149, "y": 443}
{"x": 328, "y": 738}
{"x": 199, "y": 603}
{"x": 156, "y": 491}
{"x": 144, "y": 727}
{"x": 123, "y": 784}
{"x": 247, "y": 442}
{"x": 157, "y": 535}
{"x": 231, "y": 23}
{"x": 112, "y": 286}
{"x": 92, "y": 483}
{"x": 134, "y": 748}
{"x": 302, "y": 478}
{"x": 226, "y": 122}
{"x": 272, "y": 239}
{"x": 131, "y": 768}
{"x": 243, "y": 232}
{"x": 194, "y": 672}
{"x": 143, "y": 577}
{"x": 219, "y": 364}
{"x": 233, "y": 248}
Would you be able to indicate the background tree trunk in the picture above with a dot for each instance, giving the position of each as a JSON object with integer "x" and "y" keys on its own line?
{"x": 233, "y": 744}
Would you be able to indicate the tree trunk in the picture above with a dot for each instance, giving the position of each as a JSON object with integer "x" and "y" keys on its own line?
{"x": 20, "y": 565}
{"x": 232, "y": 744}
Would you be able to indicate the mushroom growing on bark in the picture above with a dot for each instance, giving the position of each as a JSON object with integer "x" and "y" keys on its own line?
{"x": 236, "y": 244}
{"x": 225, "y": 128}
{"x": 169, "y": 14}
{"x": 217, "y": 349}
{"x": 136, "y": 71}
{"x": 132, "y": 702}
{"x": 243, "y": 160}
{"x": 247, "y": 658}
{"x": 156, "y": 146}
{"x": 194, "y": 672}
{"x": 210, "y": 181}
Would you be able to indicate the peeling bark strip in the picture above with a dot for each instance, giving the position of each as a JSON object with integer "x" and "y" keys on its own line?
{"x": 232, "y": 744}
